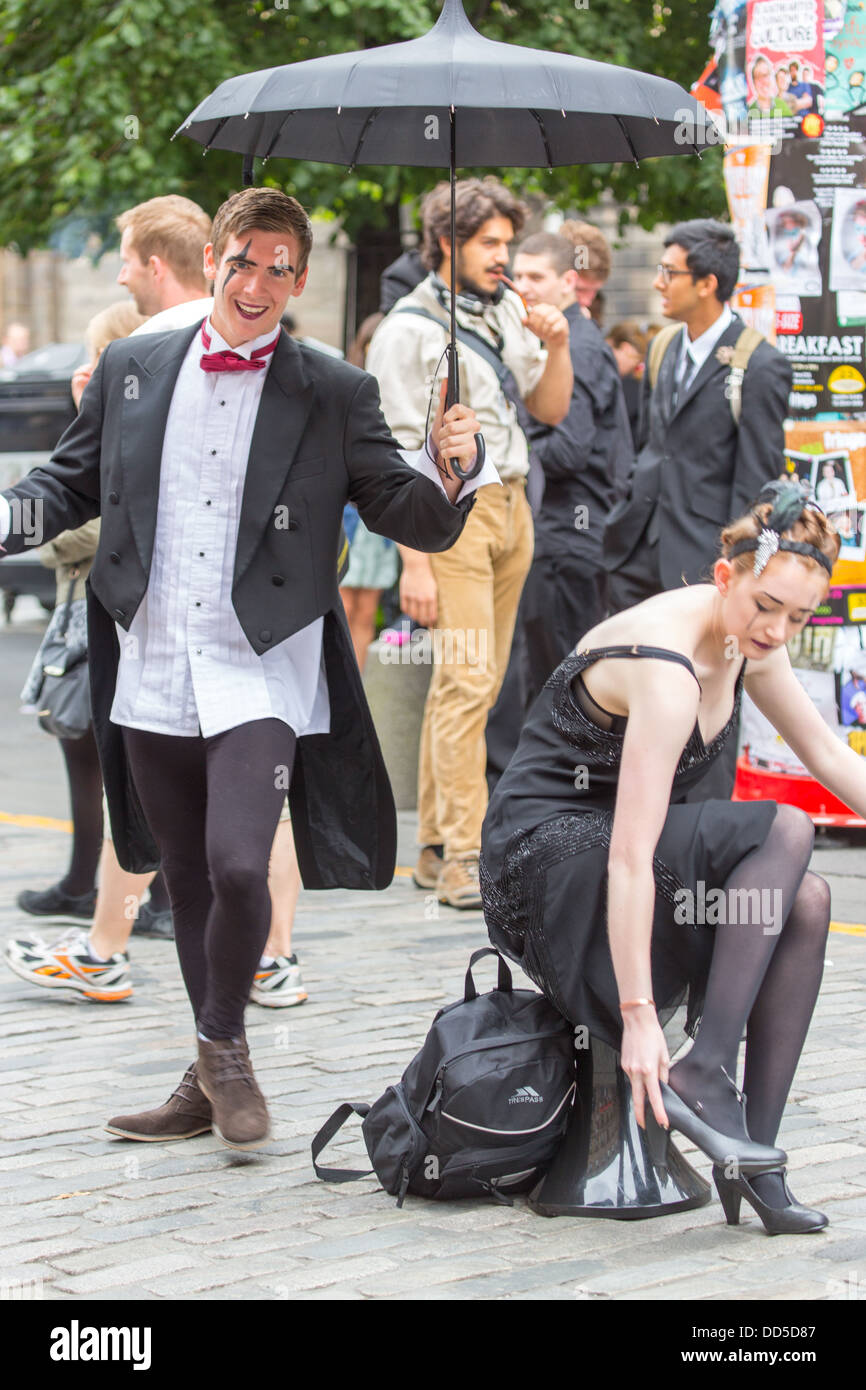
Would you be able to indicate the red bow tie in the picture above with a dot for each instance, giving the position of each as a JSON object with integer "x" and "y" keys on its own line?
{"x": 232, "y": 361}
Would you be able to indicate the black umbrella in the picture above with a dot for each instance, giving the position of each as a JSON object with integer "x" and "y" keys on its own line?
{"x": 449, "y": 98}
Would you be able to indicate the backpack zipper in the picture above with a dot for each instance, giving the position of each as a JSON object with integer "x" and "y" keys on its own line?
{"x": 503, "y": 1040}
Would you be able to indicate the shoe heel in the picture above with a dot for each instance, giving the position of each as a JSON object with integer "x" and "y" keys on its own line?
{"x": 730, "y": 1198}
{"x": 657, "y": 1140}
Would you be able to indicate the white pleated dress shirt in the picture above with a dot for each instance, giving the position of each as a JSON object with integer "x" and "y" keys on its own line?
{"x": 185, "y": 663}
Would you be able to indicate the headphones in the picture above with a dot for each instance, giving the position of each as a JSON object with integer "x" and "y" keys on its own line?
{"x": 469, "y": 303}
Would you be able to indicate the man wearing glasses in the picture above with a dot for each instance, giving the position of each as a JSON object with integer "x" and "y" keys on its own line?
{"x": 709, "y": 437}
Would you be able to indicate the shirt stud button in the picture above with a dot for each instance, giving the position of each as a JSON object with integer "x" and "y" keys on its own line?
{"x": 213, "y": 451}
{"x": 201, "y": 554}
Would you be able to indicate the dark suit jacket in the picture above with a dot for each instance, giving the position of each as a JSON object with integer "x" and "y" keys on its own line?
{"x": 319, "y": 440}
{"x": 581, "y": 456}
{"x": 696, "y": 470}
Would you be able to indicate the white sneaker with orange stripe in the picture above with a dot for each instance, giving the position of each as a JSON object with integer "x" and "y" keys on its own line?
{"x": 68, "y": 964}
{"x": 279, "y": 984}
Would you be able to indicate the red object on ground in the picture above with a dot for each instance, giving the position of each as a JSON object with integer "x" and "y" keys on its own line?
{"x": 755, "y": 783}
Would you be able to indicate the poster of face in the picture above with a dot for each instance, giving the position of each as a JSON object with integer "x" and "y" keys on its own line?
{"x": 848, "y": 521}
{"x": 849, "y": 660}
{"x": 794, "y": 232}
{"x": 831, "y": 479}
{"x": 785, "y": 58}
{"x": 728, "y": 40}
{"x": 844, "y": 55}
{"x": 848, "y": 240}
{"x": 800, "y": 466}
{"x": 823, "y": 336}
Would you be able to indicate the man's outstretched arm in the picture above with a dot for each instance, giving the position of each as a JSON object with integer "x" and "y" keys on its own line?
{"x": 64, "y": 493}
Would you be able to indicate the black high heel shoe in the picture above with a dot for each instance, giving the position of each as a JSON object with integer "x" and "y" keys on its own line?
{"x": 792, "y": 1220}
{"x": 723, "y": 1149}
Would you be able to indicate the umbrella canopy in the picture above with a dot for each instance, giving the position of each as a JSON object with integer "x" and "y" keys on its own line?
{"x": 449, "y": 98}
{"x": 524, "y": 107}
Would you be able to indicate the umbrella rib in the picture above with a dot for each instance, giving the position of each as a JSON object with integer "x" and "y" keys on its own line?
{"x": 288, "y": 116}
{"x": 369, "y": 121}
{"x": 543, "y": 130}
{"x": 214, "y": 136}
{"x": 628, "y": 138}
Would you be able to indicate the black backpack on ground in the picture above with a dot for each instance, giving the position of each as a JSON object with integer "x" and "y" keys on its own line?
{"x": 481, "y": 1108}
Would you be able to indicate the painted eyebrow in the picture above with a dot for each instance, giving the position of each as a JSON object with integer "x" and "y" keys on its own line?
{"x": 239, "y": 256}
{"x": 779, "y": 601}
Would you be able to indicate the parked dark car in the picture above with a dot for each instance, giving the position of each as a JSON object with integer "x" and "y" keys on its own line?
{"x": 36, "y": 405}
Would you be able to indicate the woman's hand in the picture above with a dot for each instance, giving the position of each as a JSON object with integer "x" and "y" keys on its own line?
{"x": 644, "y": 1059}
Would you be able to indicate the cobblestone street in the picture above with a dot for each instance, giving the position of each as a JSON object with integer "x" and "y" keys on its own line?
{"x": 88, "y": 1216}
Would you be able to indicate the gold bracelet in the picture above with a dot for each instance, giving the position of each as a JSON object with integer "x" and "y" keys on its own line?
{"x": 636, "y": 1003}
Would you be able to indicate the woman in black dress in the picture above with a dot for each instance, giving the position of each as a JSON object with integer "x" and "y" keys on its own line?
{"x": 619, "y": 901}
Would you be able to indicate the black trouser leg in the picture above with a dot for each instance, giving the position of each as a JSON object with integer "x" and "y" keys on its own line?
{"x": 85, "y": 797}
{"x": 212, "y": 806}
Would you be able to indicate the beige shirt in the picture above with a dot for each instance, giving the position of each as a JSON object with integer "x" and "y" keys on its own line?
{"x": 406, "y": 355}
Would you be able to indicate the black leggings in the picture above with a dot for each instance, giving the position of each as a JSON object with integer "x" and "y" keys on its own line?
{"x": 85, "y": 799}
{"x": 213, "y": 805}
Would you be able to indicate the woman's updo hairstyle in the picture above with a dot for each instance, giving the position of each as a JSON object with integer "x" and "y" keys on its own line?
{"x": 783, "y": 517}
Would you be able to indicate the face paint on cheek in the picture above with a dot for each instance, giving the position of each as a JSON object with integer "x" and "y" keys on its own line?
{"x": 242, "y": 255}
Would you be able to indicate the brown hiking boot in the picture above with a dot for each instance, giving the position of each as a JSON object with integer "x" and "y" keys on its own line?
{"x": 186, "y": 1112}
{"x": 458, "y": 884}
{"x": 240, "y": 1115}
{"x": 429, "y": 867}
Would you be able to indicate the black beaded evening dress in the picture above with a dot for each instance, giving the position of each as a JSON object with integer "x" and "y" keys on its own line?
{"x": 544, "y": 853}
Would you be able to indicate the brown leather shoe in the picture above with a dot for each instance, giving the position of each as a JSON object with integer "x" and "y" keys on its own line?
{"x": 458, "y": 884}
{"x": 429, "y": 867}
{"x": 186, "y": 1112}
{"x": 225, "y": 1074}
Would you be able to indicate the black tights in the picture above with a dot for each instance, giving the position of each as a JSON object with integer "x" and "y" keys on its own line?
{"x": 213, "y": 805}
{"x": 85, "y": 798}
{"x": 764, "y": 980}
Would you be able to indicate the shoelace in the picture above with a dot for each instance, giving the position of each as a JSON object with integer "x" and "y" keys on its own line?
{"x": 233, "y": 1065}
{"x": 188, "y": 1088}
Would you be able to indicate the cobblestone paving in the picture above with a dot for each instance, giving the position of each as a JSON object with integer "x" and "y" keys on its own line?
{"x": 85, "y": 1215}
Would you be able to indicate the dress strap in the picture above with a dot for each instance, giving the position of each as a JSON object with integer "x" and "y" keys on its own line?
{"x": 596, "y": 653}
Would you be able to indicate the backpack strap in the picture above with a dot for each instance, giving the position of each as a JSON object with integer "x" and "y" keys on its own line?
{"x": 745, "y": 345}
{"x": 503, "y": 982}
{"x": 326, "y": 1134}
{"x": 658, "y": 347}
{"x": 467, "y": 337}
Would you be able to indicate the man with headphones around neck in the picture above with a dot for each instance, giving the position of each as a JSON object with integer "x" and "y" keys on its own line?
{"x": 508, "y": 355}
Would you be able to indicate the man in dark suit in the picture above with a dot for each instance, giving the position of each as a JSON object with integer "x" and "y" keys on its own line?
{"x": 220, "y": 458}
{"x": 711, "y": 435}
{"x": 697, "y": 467}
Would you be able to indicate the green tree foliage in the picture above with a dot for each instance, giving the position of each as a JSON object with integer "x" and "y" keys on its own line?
{"x": 91, "y": 92}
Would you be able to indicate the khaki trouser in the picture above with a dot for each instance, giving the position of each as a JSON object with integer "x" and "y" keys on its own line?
{"x": 479, "y": 581}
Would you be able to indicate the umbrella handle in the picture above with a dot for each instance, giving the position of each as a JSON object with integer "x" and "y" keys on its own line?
{"x": 452, "y": 397}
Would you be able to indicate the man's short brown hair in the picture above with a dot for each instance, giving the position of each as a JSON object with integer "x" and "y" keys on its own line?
{"x": 628, "y": 331}
{"x": 174, "y": 228}
{"x": 557, "y": 249}
{"x": 477, "y": 201}
{"x": 263, "y": 210}
{"x": 592, "y": 252}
